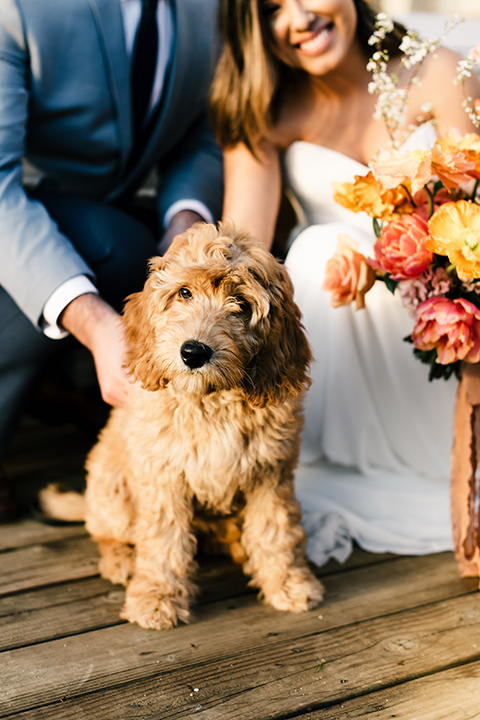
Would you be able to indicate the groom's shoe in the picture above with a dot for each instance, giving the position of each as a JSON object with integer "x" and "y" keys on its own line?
{"x": 9, "y": 508}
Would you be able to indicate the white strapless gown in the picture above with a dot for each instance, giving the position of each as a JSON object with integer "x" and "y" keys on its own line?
{"x": 375, "y": 457}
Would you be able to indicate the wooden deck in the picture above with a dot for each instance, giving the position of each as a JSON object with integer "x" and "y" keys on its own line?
{"x": 397, "y": 637}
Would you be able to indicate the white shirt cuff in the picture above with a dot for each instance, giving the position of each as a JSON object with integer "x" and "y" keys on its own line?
{"x": 194, "y": 205}
{"x": 58, "y": 301}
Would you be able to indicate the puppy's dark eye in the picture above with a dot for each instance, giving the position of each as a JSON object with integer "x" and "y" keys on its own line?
{"x": 185, "y": 293}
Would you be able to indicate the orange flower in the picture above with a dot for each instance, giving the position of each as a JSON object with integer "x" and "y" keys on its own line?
{"x": 454, "y": 142}
{"x": 450, "y": 326}
{"x": 393, "y": 168}
{"x": 400, "y": 250}
{"x": 455, "y": 232}
{"x": 367, "y": 195}
{"x": 470, "y": 145}
{"x": 347, "y": 274}
{"x": 451, "y": 169}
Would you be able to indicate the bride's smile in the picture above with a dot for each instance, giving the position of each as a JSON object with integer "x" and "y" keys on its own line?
{"x": 314, "y": 35}
{"x": 317, "y": 41}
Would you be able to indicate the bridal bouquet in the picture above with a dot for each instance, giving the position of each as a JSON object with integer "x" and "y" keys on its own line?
{"x": 427, "y": 225}
{"x": 426, "y": 218}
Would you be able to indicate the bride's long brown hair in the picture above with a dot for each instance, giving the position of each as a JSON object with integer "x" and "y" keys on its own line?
{"x": 250, "y": 81}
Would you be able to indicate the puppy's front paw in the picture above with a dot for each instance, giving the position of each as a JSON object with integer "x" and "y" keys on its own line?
{"x": 155, "y": 612}
{"x": 299, "y": 591}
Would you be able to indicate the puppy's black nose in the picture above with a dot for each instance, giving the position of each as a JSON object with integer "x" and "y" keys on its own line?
{"x": 195, "y": 354}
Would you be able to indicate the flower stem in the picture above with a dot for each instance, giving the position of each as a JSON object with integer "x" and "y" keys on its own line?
{"x": 409, "y": 195}
{"x": 429, "y": 195}
{"x": 473, "y": 196}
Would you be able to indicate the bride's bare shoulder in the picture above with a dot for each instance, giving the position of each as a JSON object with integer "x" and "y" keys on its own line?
{"x": 438, "y": 87}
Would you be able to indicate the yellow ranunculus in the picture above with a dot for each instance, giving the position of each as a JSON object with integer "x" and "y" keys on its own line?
{"x": 367, "y": 195}
{"x": 455, "y": 232}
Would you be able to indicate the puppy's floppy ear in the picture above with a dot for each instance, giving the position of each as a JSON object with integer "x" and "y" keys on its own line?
{"x": 281, "y": 367}
{"x": 139, "y": 333}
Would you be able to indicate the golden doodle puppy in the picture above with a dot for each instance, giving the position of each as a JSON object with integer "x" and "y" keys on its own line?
{"x": 210, "y": 431}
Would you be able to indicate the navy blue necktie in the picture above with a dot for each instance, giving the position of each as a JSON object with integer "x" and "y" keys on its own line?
{"x": 144, "y": 62}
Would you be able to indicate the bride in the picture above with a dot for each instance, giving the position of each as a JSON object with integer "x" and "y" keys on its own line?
{"x": 291, "y": 108}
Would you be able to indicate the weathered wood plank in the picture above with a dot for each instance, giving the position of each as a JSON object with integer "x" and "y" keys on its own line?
{"x": 59, "y": 548}
{"x": 361, "y": 658}
{"x": 59, "y": 610}
{"x": 47, "y": 563}
{"x": 449, "y": 695}
{"x": 271, "y": 660}
{"x": 67, "y": 609}
{"x": 14, "y": 535}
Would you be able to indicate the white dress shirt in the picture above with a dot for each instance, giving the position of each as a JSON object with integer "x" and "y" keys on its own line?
{"x": 81, "y": 284}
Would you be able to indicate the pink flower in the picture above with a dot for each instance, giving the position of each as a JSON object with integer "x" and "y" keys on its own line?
{"x": 400, "y": 250}
{"x": 450, "y": 326}
{"x": 474, "y": 53}
{"x": 431, "y": 283}
{"x": 348, "y": 276}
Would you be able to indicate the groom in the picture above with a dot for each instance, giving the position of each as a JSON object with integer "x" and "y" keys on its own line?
{"x": 76, "y": 242}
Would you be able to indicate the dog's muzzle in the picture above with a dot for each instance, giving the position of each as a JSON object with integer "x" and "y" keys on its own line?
{"x": 195, "y": 354}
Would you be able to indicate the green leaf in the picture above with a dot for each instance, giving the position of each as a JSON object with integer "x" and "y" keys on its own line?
{"x": 391, "y": 284}
{"x": 436, "y": 371}
{"x": 377, "y": 227}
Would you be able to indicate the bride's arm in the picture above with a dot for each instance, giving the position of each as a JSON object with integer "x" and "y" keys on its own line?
{"x": 252, "y": 190}
{"x": 437, "y": 85}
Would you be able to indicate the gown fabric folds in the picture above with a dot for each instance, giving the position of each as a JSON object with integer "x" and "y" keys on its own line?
{"x": 375, "y": 456}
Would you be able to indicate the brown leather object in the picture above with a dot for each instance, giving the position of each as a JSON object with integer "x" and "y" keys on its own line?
{"x": 465, "y": 485}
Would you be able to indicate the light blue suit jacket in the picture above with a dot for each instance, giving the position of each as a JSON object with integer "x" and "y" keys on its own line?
{"x": 65, "y": 106}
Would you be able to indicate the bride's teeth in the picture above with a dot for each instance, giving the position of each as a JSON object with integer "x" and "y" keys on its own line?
{"x": 317, "y": 39}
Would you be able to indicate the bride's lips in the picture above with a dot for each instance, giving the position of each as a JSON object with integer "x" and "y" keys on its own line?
{"x": 317, "y": 41}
